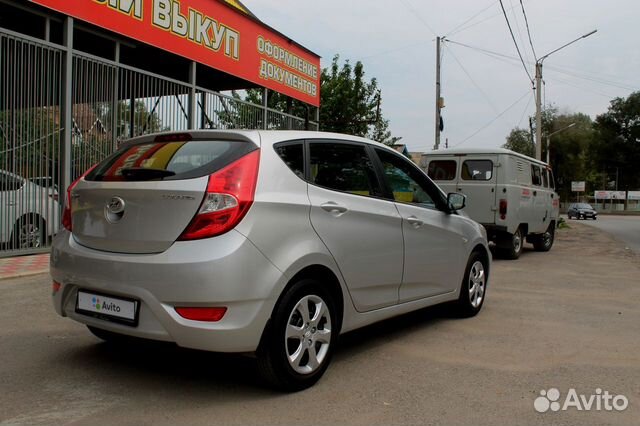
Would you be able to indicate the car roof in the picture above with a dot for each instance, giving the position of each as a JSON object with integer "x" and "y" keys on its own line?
{"x": 261, "y": 137}
{"x": 479, "y": 151}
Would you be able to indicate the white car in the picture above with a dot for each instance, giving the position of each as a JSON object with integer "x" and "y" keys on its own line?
{"x": 29, "y": 213}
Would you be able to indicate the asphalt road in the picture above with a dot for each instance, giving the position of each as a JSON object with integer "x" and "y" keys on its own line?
{"x": 564, "y": 319}
{"x": 624, "y": 228}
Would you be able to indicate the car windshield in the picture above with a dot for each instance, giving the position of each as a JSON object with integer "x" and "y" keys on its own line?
{"x": 584, "y": 206}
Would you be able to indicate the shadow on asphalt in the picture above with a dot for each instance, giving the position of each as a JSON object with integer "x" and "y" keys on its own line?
{"x": 148, "y": 366}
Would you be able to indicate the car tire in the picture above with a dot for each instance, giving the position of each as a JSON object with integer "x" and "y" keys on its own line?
{"x": 474, "y": 286}
{"x": 29, "y": 232}
{"x": 298, "y": 342}
{"x": 544, "y": 242}
{"x": 513, "y": 245}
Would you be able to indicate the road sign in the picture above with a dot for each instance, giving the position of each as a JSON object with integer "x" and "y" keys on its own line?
{"x": 577, "y": 186}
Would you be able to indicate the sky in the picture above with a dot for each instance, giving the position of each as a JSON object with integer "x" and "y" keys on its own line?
{"x": 486, "y": 95}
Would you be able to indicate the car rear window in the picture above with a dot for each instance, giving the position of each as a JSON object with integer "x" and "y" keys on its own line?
{"x": 169, "y": 160}
{"x": 442, "y": 170}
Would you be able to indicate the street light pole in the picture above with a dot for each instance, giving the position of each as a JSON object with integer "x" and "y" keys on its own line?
{"x": 436, "y": 146}
{"x": 539, "y": 93}
{"x": 553, "y": 133}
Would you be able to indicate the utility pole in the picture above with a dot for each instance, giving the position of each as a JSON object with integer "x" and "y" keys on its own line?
{"x": 438, "y": 103}
{"x": 539, "y": 92}
{"x": 539, "y": 110}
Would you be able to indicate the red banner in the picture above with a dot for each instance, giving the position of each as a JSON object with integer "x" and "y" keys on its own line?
{"x": 211, "y": 33}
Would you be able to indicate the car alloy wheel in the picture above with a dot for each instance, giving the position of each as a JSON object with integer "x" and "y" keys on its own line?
{"x": 297, "y": 345}
{"x": 308, "y": 334}
{"x": 477, "y": 281}
{"x": 474, "y": 286}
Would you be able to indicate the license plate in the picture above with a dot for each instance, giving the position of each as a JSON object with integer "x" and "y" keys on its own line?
{"x": 108, "y": 308}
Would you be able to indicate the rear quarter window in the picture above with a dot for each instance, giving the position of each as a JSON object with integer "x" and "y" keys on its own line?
{"x": 169, "y": 160}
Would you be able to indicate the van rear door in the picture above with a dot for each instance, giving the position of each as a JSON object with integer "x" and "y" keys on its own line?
{"x": 478, "y": 181}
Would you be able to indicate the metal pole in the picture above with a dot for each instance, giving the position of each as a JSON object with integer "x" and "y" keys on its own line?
{"x": 538, "y": 110}
{"x": 265, "y": 115}
{"x": 192, "y": 95}
{"x": 437, "y": 143}
{"x": 66, "y": 110}
{"x": 548, "y": 144}
{"x": 115, "y": 100}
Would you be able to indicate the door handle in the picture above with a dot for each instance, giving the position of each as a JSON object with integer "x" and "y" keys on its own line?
{"x": 332, "y": 207}
{"x": 417, "y": 223}
{"x": 11, "y": 203}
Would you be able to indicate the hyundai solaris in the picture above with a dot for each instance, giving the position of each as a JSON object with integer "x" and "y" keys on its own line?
{"x": 263, "y": 242}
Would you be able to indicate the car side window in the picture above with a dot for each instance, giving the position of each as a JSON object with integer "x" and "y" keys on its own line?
{"x": 545, "y": 178}
{"x": 442, "y": 169}
{"x": 477, "y": 170}
{"x": 343, "y": 167}
{"x": 536, "y": 175}
{"x": 9, "y": 183}
{"x": 293, "y": 156}
{"x": 406, "y": 182}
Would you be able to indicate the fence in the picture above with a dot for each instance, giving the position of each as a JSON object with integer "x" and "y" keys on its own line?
{"x": 110, "y": 102}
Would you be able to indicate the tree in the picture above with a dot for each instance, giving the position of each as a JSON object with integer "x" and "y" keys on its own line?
{"x": 350, "y": 104}
{"x": 615, "y": 148}
{"x": 519, "y": 140}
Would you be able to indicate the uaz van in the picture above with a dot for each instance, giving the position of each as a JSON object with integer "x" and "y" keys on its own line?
{"x": 511, "y": 194}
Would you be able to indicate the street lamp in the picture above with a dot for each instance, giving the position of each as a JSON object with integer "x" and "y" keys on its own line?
{"x": 551, "y": 134}
{"x": 539, "y": 93}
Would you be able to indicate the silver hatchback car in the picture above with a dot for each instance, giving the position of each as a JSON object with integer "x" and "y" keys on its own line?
{"x": 265, "y": 242}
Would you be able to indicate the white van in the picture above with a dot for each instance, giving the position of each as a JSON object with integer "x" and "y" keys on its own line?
{"x": 511, "y": 194}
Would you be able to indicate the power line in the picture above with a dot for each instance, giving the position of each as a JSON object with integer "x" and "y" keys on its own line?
{"x": 491, "y": 104}
{"x": 524, "y": 112}
{"x": 526, "y": 21}
{"x": 476, "y": 23}
{"x": 493, "y": 120}
{"x": 472, "y": 18}
{"x": 563, "y": 70}
{"x": 504, "y": 12}
{"x": 419, "y": 17}
{"x": 515, "y": 19}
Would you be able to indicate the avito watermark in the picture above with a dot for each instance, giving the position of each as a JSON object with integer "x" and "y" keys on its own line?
{"x": 550, "y": 400}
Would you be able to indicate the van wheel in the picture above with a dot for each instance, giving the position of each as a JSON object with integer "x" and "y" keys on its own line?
{"x": 544, "y": 242}
{"x": 513, "y": 245}
{"x": 474, "y": 287}
{"x": 298, "y": 343}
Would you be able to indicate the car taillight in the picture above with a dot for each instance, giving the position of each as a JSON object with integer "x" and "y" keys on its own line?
{"x": 229, "y": 195}
{"x": 503, "y": 209}
{"x": 202, "y": 314}
{"x": 66, "y": 214}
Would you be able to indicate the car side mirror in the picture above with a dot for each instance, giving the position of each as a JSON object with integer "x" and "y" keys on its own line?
{"x": 456, "y": 201}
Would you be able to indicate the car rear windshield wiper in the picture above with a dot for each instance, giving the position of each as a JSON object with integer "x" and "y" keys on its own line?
{"x": 143, "y": 173}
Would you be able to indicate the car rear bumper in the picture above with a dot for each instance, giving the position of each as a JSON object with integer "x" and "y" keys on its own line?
{"x": 225, "y": 271}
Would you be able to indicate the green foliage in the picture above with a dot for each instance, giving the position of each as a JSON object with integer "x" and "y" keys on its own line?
{"x": 616, "y": 144}
{"x": 519, "y": 140}
{"x": 350, "y": 104}
{"x": 29, "y": 141}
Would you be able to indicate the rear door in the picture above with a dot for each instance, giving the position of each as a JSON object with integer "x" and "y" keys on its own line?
{"x": 478, "y": 180}
{"x": 142, "y": 198}
{"x": 362, "y": 230}
{"x": 541, "y": 210}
